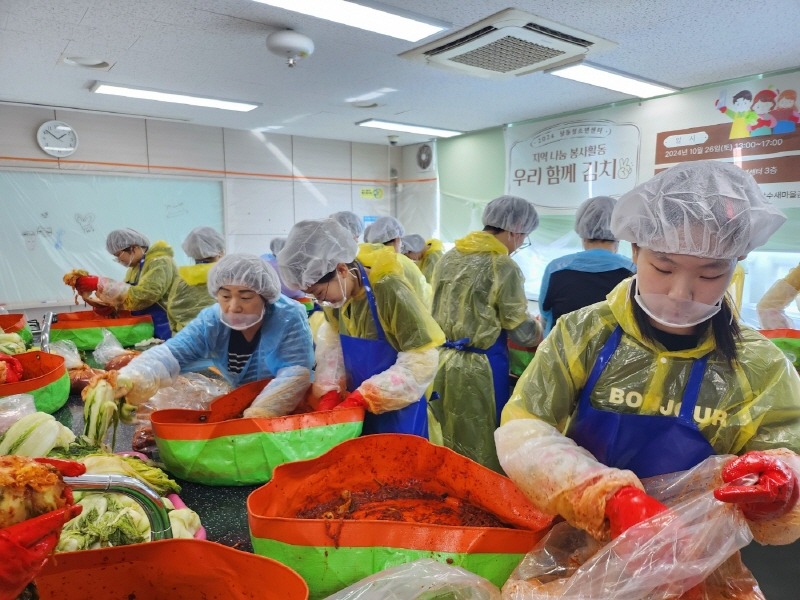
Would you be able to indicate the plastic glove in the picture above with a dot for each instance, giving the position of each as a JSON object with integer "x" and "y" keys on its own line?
{"x": 354, "y": 400}
{"x": 86, "y": 284}
{"x": 630, "y": 506}
{"x": 329, "y": 401}
{"x": 24, "y": 548}
{"x": 773, "y": 495}
{"x": 141, "y": 378}
{"x": 282, "y": 395}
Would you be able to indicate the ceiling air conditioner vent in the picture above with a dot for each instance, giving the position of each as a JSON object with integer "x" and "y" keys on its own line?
{"x": 509, "y": 43}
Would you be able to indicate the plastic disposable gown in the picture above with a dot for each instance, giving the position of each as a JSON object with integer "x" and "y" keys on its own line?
{"x": 752, "y": 405}
{"x": 433, "y": 254}
{"x": 772, "y": 304}
{"x": 188, "y": 295}
{"x": 141, "y": 290}
{"x": 408, "y": 327}
{"x": 284, "y": 352}
{"x": 589, "y": 261}
{"x": 478, "y": 293}
{"x": 369, "y": 253}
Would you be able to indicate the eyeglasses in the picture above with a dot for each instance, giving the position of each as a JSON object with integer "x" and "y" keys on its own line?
{"x": 322, "y": 297}
{"x": 525, "y": 244}
{"x": 128, "y": 250}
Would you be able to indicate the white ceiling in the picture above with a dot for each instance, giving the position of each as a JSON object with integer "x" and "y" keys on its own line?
{"x": 217, "y": 48}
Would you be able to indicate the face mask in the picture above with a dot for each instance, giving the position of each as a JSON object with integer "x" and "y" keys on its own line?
{"x": 338, "y": 303}
{"x": 674, "y": 313}
{"x": 241, "y": 321}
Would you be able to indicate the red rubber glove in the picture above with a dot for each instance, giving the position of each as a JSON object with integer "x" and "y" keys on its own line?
{"x": 86, "y": 284}
{"x": 11, "y": 370}
{"x": 630, "y": 506}
{"x": 24, "y": 548}
{"x": 773, "y": 495}
{"x": 354, "y": 400}
{"x": 329, "y": 400}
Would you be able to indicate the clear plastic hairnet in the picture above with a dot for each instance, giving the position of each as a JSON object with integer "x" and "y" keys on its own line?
{"x": 246, "y": 270}
{"x": 593, "y": 219}
{"x": 511, "y": 213}
{"x": 413, "y": 243}
{"x": 350, "y": 221}
{"x": 313, "y": 250}
{"x": 383, "y": 230}
{"x": 705, "y": 208}
{"x": 276, "y": 245}
{"x": 119, "y": 239}
{"x": 203, "y": 242}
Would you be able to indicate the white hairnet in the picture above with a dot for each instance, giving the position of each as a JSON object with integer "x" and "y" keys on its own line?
{"x": 705, "y": 208}
{"x": 203, "y": 242}
{"x": 350, "y": 221}
{"x": 511, "y": 213}
{"x": 246, "y": 270}
{"x": 367, "y": 230}
{"x": 119, "y": 239}
{"x": 413, "y": 243}
{"x": 313, "y": 250}
{"x": 384, "y": 230}
{"x": 593, "y": 219}
{"x": 276, "y": 245}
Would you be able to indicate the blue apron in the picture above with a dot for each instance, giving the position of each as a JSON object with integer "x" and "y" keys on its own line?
{"x": 648, "y": 445}
{"x": 497, "y": 354}
{"x": 365, "y": 358}
{"x": 160, "y": 320}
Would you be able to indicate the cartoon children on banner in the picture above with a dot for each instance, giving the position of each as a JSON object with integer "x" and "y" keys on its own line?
{"x": 768, "y": 112}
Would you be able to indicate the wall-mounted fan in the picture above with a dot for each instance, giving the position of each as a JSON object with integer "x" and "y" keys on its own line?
{"x": 424, "y": 157}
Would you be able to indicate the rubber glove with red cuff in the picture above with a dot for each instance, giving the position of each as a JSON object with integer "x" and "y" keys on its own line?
{"x": 329, "y": 400}
{"x": 354, "y": 400}
{"x": 630, "y": 506}
{"x": 24, "y": 548}
{"x": 772, "y": 496}
{"x": 86, "y": 284}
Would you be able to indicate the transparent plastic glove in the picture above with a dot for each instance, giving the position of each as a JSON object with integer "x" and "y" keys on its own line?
{"x": 281, "y": 395}
{"x": 558, "y": 476}
{"x": 630, "y": 506}
{"x": 772, "y": 496}
{"x": 111, "y": 291}
{"x": 146, "y": 374}
{"x": 401, "y": 384}
{"x": 528, "y": 333}
{"x": 330, "y": 400}
{"x": 770, "y": 307}
{"x": 329, "y": 373}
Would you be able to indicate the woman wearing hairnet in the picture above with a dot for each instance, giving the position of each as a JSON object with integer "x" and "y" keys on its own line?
{"x": 378, "y": 341}
{"x": 424, "y": 254}
{"x": 661, "y": 376}
{"x": 388, "y": 232}
{"x": 251, "y": 333}
{"x": 189, "y": 293}
{"x": 478, "y": 298}
{"x": 151, "y": 272}
{"x": 275, "y": 246}
{"x": 771, "y": 307}
{"x": 577, "y": 280}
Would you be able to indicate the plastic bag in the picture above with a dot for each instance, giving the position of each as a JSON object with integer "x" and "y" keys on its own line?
{"x": 692, "y": 540}
{"x": 67, "y": 349}
{"x": 13, "y": 408}
{"x": 110, "y": 354}
{"x": 421, "y": 579}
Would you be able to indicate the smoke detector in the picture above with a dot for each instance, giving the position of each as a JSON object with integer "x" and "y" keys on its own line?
{"x": 511, "y": 42}
{"x": 291, "y": 45}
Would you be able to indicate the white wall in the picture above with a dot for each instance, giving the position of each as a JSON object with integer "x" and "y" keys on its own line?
{"x": 270, "y": 181}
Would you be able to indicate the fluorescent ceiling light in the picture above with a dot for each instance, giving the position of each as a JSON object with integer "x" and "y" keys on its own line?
{"x": 364, "y": 17}
{"x": 612, "y": 80}
{"x": 144, "y": 94}
{"x": 409, "y": 128}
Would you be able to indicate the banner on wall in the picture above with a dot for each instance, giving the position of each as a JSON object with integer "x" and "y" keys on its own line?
{"x": 755, "y": 124}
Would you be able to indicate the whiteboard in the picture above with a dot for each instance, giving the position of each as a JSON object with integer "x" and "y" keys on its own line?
{"x": 51, "y": 223}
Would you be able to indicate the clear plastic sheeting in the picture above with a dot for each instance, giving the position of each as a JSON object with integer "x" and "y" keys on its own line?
{"x": 192, "y": 391}
{"x": 13, "y": 408}
{"x": 687, "y": 552}
{"x": 704, "y": 208}
{"x": 69, "y": 351}
{"x": 424, "y": 579}
{"x": 245, "y": 270}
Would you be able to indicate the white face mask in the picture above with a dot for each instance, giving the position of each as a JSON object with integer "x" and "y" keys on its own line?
{"x": 674, "y": 313}
{"x": 338, "y": 303}
{"x": 241, "y": 321}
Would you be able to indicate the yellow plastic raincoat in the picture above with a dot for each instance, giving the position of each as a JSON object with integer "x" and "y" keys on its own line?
{"x": 478, "y": 293}
{"x": 432, "y": 255}
{"x": 369, "y": 253}
{"x": 154, "y": 281}
{"x": 188, "y": 295}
